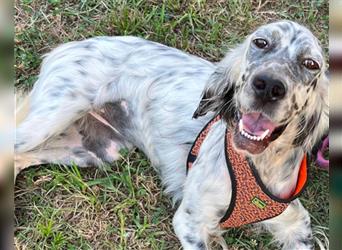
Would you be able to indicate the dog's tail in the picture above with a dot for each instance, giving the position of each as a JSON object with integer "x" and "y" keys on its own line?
{"x": 22, "y": 104}
{"x": 22, "y": 101}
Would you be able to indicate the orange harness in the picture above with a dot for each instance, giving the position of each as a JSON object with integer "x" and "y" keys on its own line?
{"x": 251, "y": 201}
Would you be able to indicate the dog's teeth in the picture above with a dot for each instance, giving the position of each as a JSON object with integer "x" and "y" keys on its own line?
{"x": 240, "y": 125}
{"x": 253, "y": 137}
{"x": 264, "y": 134}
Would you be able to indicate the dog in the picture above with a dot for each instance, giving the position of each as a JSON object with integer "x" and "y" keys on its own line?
{"x": 100, "y": 95}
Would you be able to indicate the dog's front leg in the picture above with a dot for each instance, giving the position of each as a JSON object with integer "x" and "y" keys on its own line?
{"x": 189, "y": 229}
{"x": 196, "y": 222}
{"x": 292, "y": 228}
{"x": 206, "y": 196}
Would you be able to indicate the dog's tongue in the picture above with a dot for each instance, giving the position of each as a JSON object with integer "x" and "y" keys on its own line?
{"x": 256, "y": 124}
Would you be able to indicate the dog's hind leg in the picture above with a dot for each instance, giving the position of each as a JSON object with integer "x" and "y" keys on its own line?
{"x": 87, "y": 142}
{"x": 74, "y": 80}
{"x": 46, "y": 120}
{"x": 65, "y": 148}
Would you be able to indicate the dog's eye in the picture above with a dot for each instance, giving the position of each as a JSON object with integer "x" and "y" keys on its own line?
{"x": 310, "y": 64}
{"x": 260, "y": 43}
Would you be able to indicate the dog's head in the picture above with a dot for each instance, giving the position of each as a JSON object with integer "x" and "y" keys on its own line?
{"x": 271, "y": 86}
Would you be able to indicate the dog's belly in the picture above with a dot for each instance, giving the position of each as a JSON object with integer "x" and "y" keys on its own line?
{"x": 162, "y": 87}
{"x": 162, "y": 123}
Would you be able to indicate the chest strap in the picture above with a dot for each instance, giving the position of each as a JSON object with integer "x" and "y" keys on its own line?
{"x": 251, "y": 201}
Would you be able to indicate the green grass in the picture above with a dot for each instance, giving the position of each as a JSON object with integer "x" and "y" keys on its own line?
{"x": 123, "y": 207}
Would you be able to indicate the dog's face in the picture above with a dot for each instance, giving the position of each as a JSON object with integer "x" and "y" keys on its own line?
{"x": 275, "y": 87}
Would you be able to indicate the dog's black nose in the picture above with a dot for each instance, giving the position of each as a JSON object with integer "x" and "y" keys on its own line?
{"x": 268, "y": 89}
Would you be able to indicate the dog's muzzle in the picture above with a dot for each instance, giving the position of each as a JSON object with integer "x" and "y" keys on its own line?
{"x": 255, "y": 130}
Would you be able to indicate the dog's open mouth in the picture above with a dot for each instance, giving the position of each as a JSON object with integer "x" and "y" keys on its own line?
{"x": 254, "y": 132}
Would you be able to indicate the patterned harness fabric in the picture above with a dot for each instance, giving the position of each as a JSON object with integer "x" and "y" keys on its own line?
{"x": 251, "y": 201}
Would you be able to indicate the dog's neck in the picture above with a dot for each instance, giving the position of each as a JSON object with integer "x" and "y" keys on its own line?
{"x": 278, "y": 168}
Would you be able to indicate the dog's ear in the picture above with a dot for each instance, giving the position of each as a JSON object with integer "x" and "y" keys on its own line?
{"x": 218, "y": 92}
{"x": 323, "y": 120}
{"x": 211, "y": 97}
{"x": 314, "y": 124}
{"x": 203, "y": 106}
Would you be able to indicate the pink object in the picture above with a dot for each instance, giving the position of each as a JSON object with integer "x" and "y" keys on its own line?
{"x": 321, "y": 161}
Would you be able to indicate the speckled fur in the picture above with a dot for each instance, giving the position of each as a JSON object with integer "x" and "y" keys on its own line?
{"x": 148, "y": 93}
